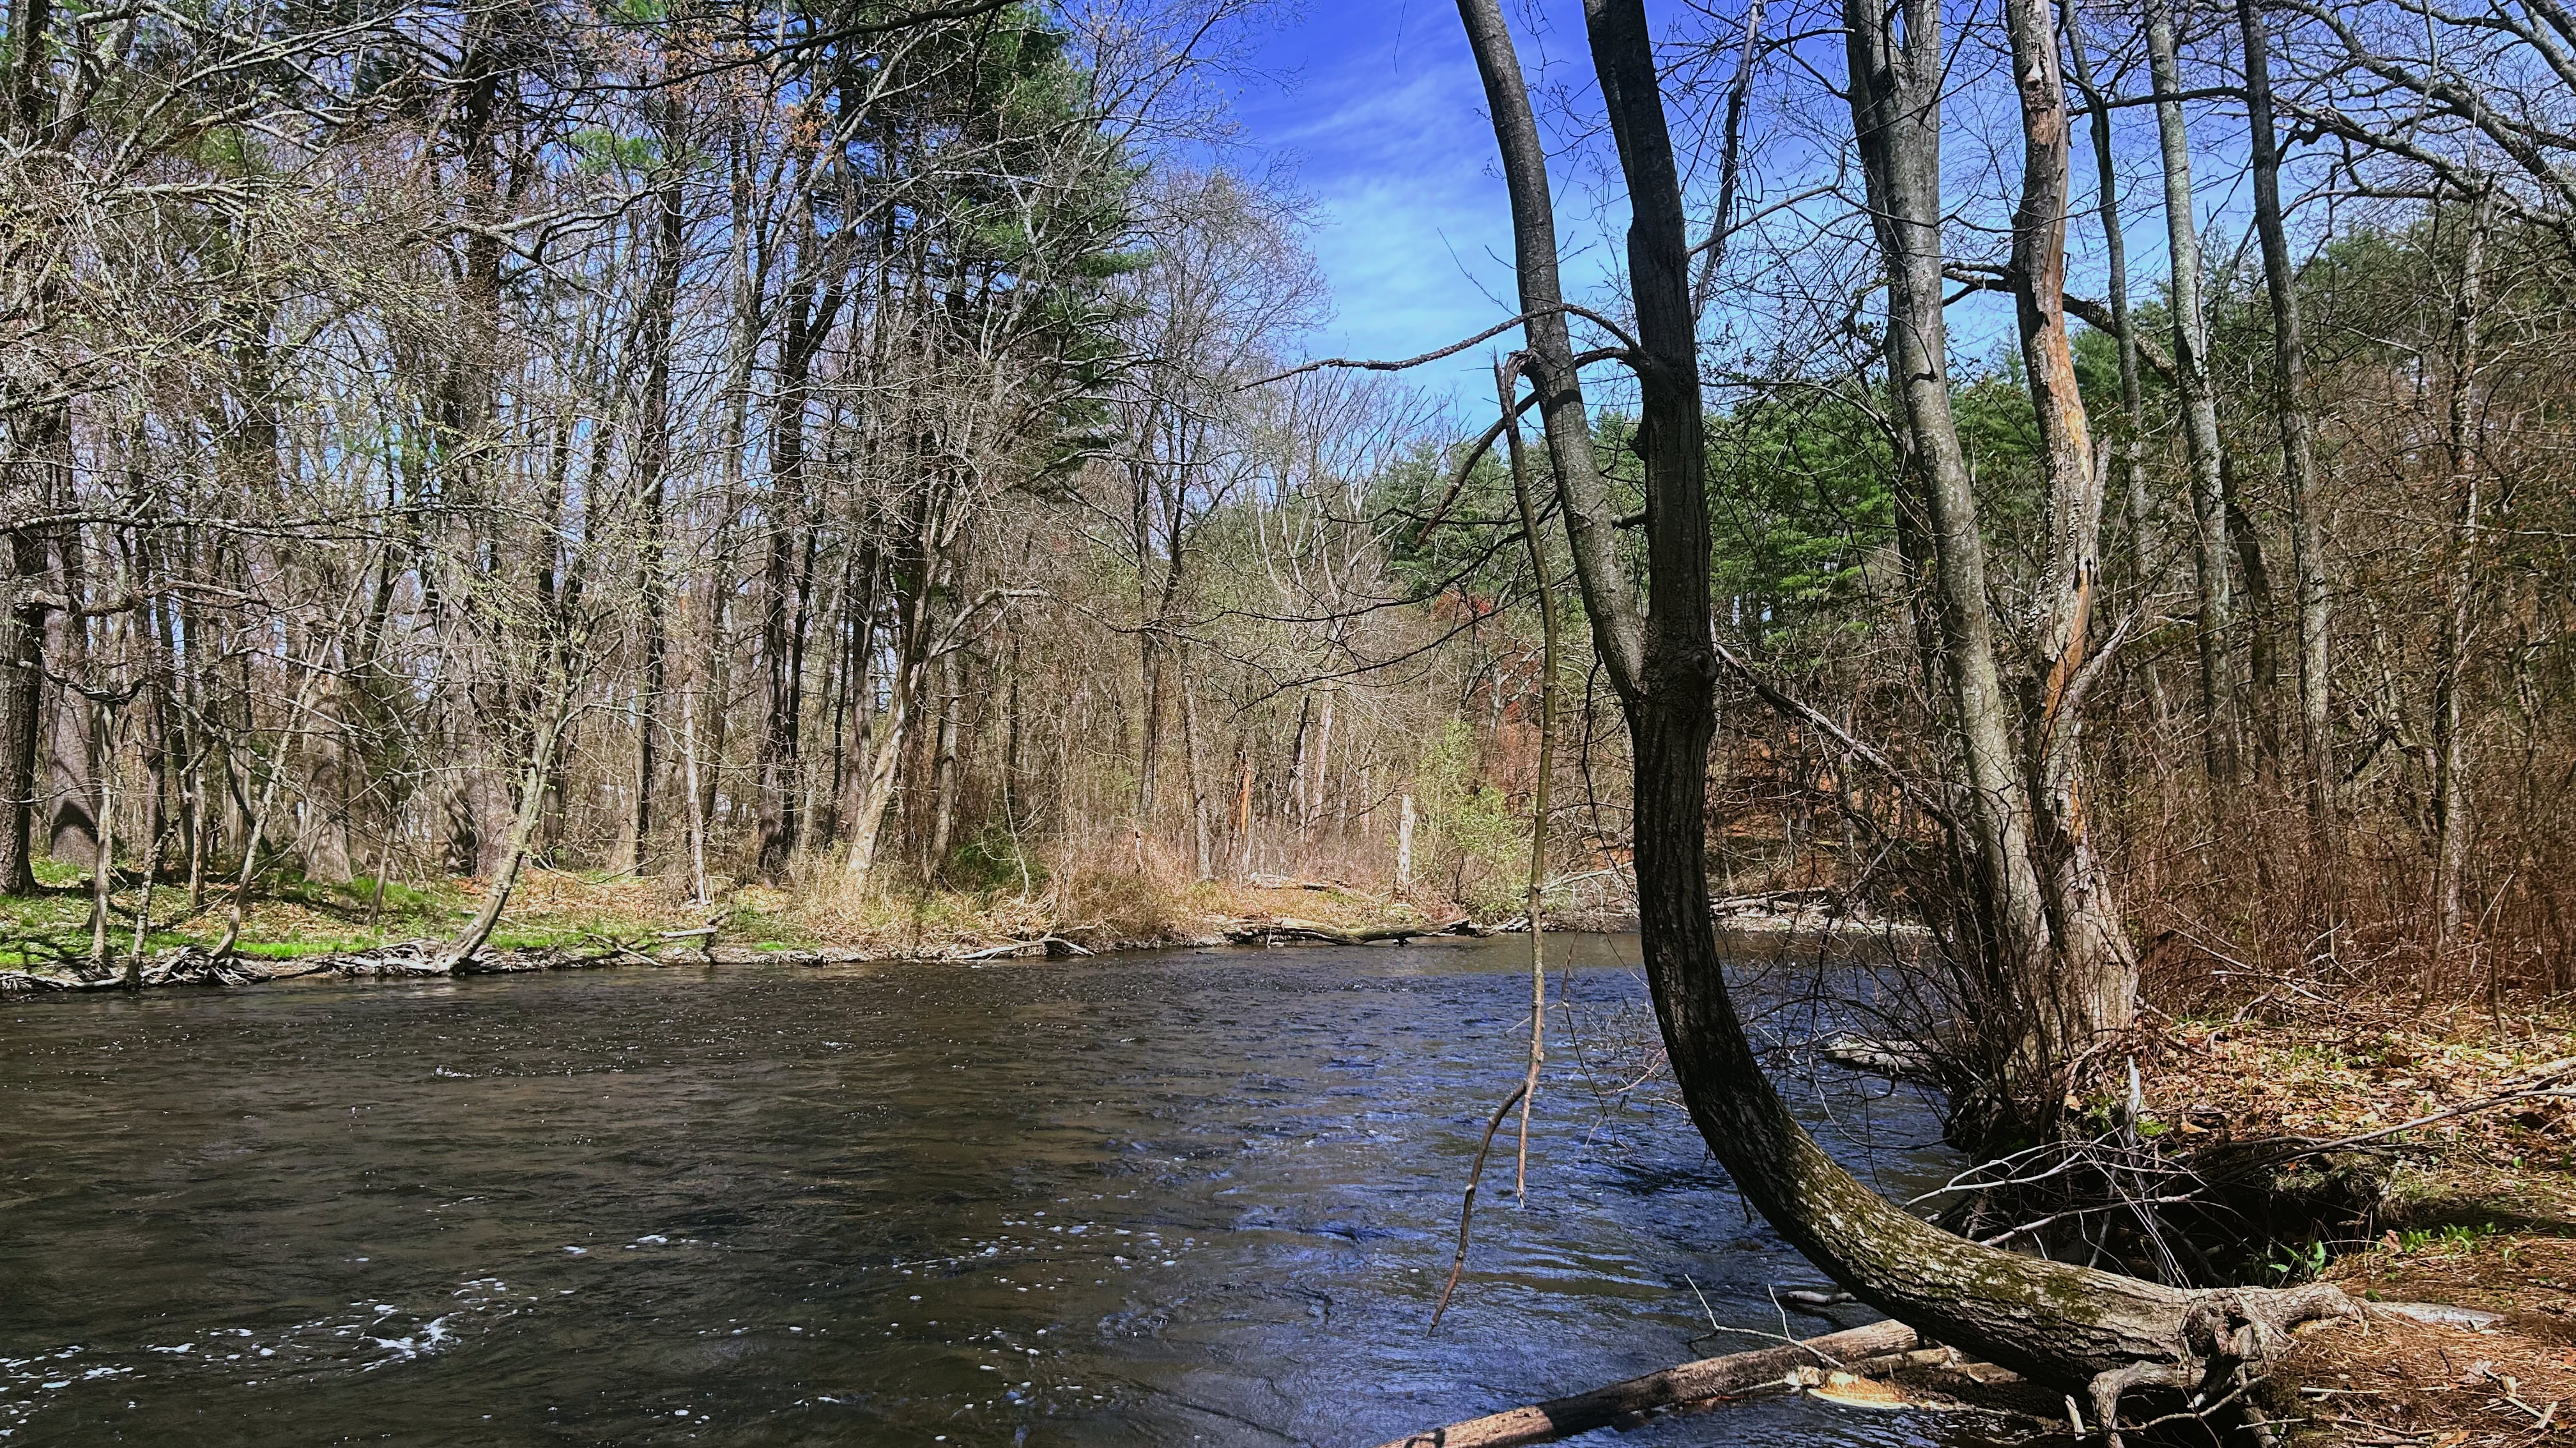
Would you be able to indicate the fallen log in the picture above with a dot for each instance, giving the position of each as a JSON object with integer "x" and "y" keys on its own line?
{"x": 1689, "y": 1383}
{"x": 1288, "y": 928}
{"x": 1054, "y": 947}
{"x": 1895, "y": 1058}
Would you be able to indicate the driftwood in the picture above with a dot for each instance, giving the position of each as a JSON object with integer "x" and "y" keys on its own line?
{"x": 1258, "y": 932}
{"x": 1054, "y": 947}
{"x": 704, "y": 935}
{"x": 1689, "y": 1383}
{"x": 1879, "y": 1056}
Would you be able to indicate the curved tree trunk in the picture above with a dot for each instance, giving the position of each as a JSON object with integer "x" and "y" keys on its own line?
{"x": 2063, "y": 1326}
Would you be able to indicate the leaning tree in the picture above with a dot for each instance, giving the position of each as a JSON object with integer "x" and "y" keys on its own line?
{"x": 2071, "y": 1327}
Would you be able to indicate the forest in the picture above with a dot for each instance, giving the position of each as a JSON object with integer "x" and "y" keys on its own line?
{"x": 2069, "y": 507}
{"x": 821, "y": 450}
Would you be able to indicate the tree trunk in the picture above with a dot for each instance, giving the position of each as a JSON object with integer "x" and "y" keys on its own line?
{"x": 22, "y": 632}
{"x": 782, "y": 682}
{"x": 514, "y": 849}
{"x": 2450, "y": 762}
{"x": 71, "y": 731}
{"x": 2088, "y": 990}
{"x": 2290, "y": 406}
{"x": 1297, "y": 781}
{"x": 943, "y": 768}
{"x": 1318, "y": 779}
{"x": 1897, "y": 115}
{"x": 1149, "y": 753}
{"x": 890, "y": 734}
{"x": 1404, "y": 846}
{"x": 2063, "y": 1326}
{"x": 652, "y": 467}
{"x": 1190, "y": 739}
{"x": 2128, "y": 475}
{"x": 35, "y": 460}
{"x": 2201, "y": 447}
{"x": 2262, "y": 631}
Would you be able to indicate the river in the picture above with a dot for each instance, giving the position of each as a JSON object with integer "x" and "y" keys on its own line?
{"x": 1191, "y": 1197}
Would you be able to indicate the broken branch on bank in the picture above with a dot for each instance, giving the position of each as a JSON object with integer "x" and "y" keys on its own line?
{"x": 1691, "y": 1382}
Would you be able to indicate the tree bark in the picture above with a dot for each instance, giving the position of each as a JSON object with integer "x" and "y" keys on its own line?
{"x": 2460, "y": 436}
{"x": 2290, "y": 409}
{"x": 1897, "y": 116}
{"x": 1617, "y": 1404}
{"x": 890, "y": 730}
{"x": 943, "y": 768}
{"x": 658, "y": 325}
{"x": 2088, "y": 990}
{"x": 514, "y": 852}
{"x": 2201, "y": 448}
{"x": 1200, "y": 829}
{"x": 2128, "y": 475}
{"x": 22, "y": 632}
{"x": 35, "y": 458}
{"x": 812, "y": 305}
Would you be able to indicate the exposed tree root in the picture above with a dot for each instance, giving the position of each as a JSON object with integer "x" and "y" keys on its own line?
{"x": 2223, "y": 1333}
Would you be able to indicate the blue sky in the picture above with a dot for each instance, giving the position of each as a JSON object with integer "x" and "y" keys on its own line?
{"x": 1376, "y": 109}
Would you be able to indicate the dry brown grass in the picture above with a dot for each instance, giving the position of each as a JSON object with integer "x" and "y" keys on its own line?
{"x": 2386, "y": 1381}
{"x": 2341, "y": 1073}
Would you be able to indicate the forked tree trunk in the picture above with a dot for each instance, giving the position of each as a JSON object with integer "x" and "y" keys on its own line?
{"x": 890, "y": 731}
{"x": 2086, "y": 988}
{"x": 2063, "y": 1326}
{"x": 2005, "y": 935}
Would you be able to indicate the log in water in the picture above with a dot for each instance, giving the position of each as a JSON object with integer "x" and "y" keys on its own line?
{"x": 1192, "y": 1198}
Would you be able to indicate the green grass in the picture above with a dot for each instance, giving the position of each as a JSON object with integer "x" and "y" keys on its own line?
{"x": 298, "y": 949}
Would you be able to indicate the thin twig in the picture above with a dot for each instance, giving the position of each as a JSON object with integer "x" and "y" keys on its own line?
{"x": 1467, "y": 1205}
{"x": 1371, "y": 364}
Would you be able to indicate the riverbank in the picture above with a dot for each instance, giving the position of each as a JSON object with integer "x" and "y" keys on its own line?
{"x": 564, "y": 920}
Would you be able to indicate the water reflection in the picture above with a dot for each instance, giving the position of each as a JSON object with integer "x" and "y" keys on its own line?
{"x": 1201, "y": 1197}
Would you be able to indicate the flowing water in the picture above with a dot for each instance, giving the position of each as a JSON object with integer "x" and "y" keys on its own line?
{"x": 1182, "y": 1198}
